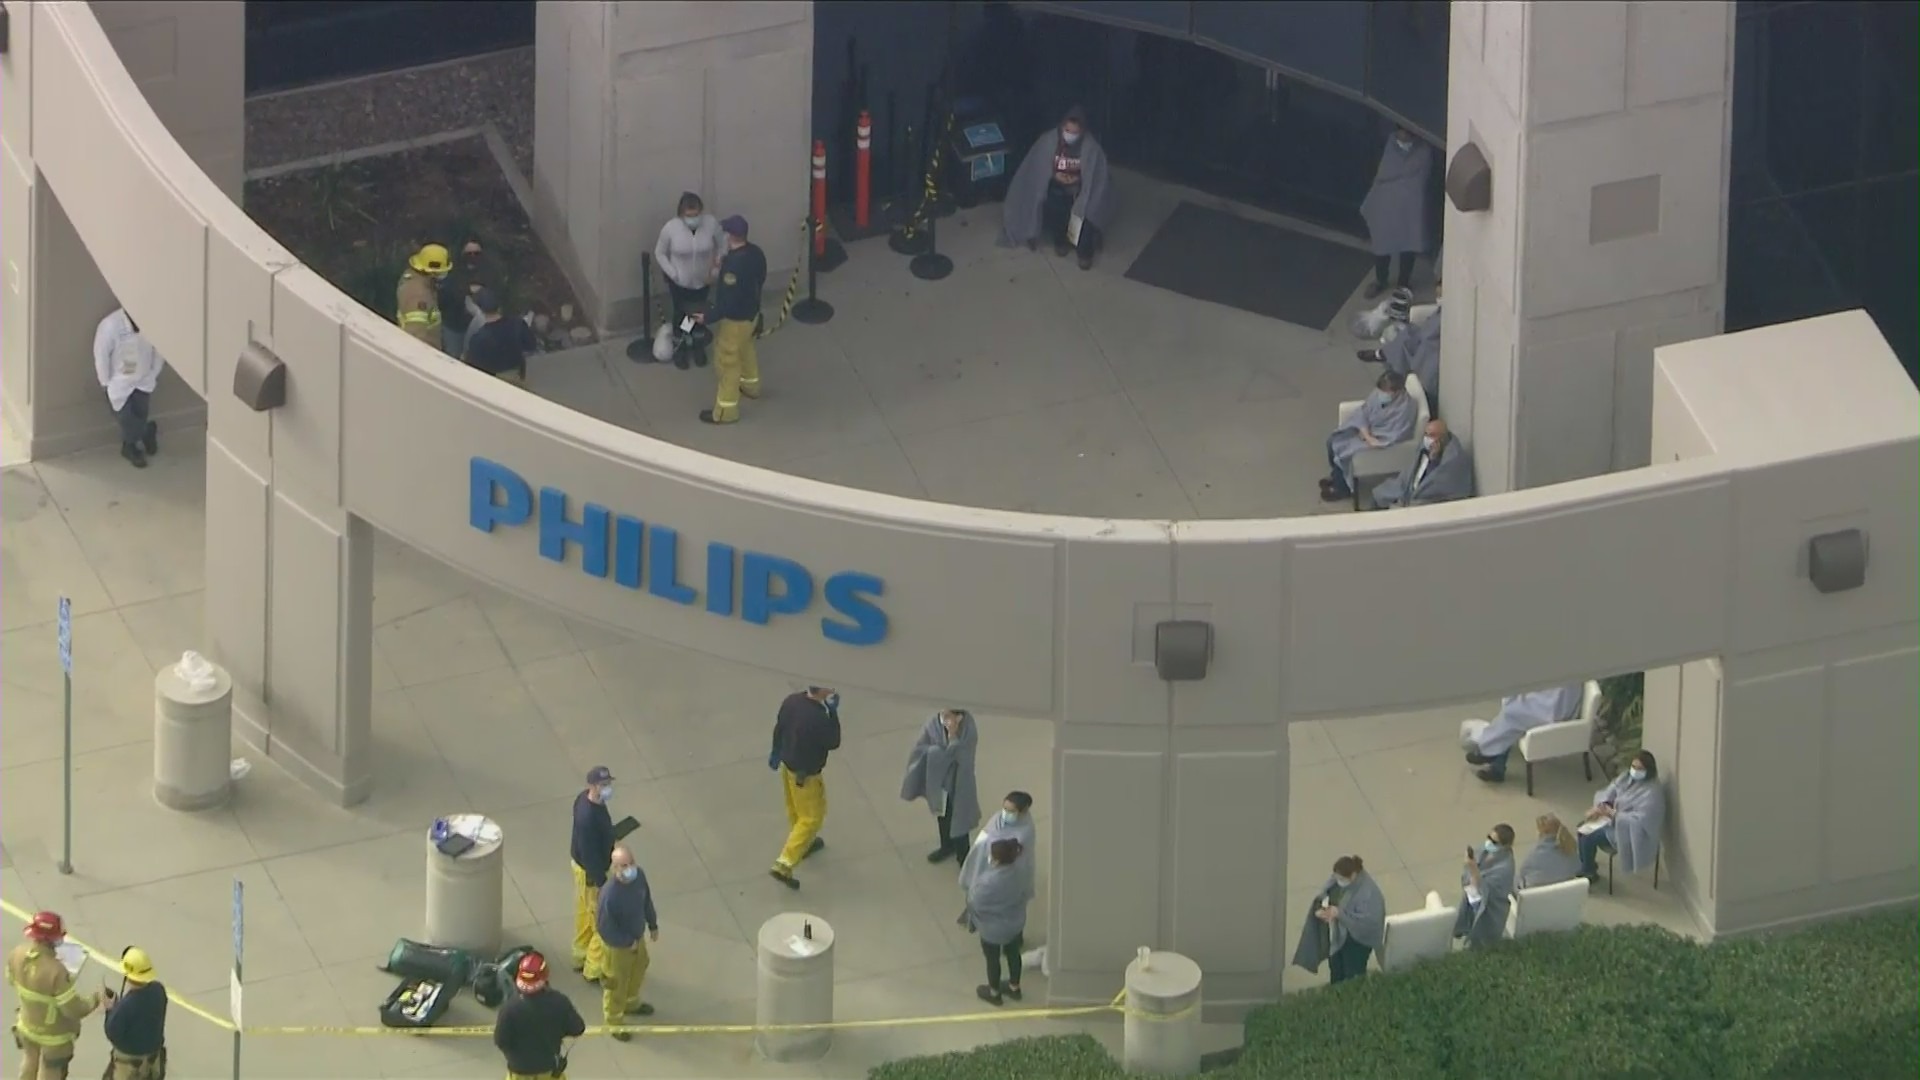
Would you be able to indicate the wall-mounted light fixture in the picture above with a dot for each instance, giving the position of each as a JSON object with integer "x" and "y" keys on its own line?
{"x": 1470, "y": 180}
{"x": 1837, "y": 561}
{"x": 1182, "y": 648}
{"x": 260, "y": 379}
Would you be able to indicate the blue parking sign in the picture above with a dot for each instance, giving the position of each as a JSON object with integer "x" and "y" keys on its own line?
{"x": 66, "y": 635}
{"x": 239, "y": 920}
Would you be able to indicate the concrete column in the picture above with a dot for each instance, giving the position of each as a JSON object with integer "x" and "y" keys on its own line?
{"x": 189, "y": 59}
{"x": 795, "y": 986}
{"x": 635, "y": 103}
{"x": 1162, "y": 1031}
{"x": 1606, "y": 126}
{"x": 192, "y": 740}
{"x": 466, "y": 892}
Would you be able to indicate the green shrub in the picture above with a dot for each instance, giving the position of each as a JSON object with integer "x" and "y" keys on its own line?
{"x": 1841, "y": 999}
{"x": 1622, "y": 715}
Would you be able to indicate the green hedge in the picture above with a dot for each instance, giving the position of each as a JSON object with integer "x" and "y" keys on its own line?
{"x": 1622, "y": 1003}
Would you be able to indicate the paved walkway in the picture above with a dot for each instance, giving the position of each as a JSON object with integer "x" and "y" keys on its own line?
{"x": 1018, "y": 382}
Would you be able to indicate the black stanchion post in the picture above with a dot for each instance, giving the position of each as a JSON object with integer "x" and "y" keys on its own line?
{"x": 640, "y": 349}
{"x": 930, "y": 265}
{"x": 813, "y": 310}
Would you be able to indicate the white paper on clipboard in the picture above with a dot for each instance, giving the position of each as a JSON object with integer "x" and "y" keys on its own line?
{"x": 71, "y": 956}
{"x": 1073, "y": 229}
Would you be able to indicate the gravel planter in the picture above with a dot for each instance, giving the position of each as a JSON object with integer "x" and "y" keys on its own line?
{"x": 356, "y": 224}
{"x": 397, "y": 106}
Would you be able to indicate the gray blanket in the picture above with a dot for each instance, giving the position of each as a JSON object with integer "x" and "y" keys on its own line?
{"x": 940, "y": 769}
{"x": 1027, "y": 192}
{"x": 1445, "y": 480}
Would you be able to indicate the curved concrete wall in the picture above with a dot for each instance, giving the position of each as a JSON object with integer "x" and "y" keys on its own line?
{"x": 1698, "y": 556}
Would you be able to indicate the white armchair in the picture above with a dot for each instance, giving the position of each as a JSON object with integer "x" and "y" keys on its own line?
{"x": 1414, "y": 936}
{"x": 1564, "y": 739}
{"x": 1548, "y": 908}
{"x": 1374, "y": 462}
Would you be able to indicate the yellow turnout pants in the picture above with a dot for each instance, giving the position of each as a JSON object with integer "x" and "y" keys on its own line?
{"x": 132, "y": 1068}
{"x": 806, "y": 812}
{"x": 34, "y": 1065}
{"x": 587, "y": 949}
{"x": 738, "y": 363}
{"x": 624, "y": 971}
{"x": 536, "y": 1076}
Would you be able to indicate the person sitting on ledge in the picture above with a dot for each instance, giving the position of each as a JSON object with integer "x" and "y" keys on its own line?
{"x": 1555, "y": 857}
{"x": 1385, "y": 418}
{"x": 1442, "y": 473}
{"x": 1491, "y": 745}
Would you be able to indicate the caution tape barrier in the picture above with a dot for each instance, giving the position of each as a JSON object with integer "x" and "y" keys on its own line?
{"x": 1116, "y": 1006}
{"x": 793, "y": 283}
{"x": 929, "y": 184}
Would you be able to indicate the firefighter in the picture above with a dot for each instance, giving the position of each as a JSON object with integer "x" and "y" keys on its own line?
{"x": 51, "y": 1007}
{"x": 418, "y": 299}
{"x": 533, "y": 1026}
{"x": 733, "y": 318}
{"x": 137, "y": 1021}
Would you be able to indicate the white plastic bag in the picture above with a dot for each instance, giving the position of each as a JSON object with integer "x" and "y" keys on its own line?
{"x": 663, "y": 343}
{"x": 1371, "y": 321}
{"x": 196, "y": 671}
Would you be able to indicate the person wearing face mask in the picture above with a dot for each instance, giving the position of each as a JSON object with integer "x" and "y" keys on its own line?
{"x": 940, "y": 769}
{"x": 1443, "y": 472}
{"x": 1395, "y": 209}
{"x": 1555, "y": 856}
{"x": 734, "y": 316}
{"x": 1486, "y": 889}
{"x": 128, "y": 369}
{"x": 1347, "y": 922}
{"x": 1063, "y": 180}
{"x": 592, "y": 852}
{"x": 1387, "y": 417}
{"x": 1626, "y": 820}
{"x": 626, "y": 922}
{"x": 1415, "y": 351}
{"x": 1013, "y": 821}
{"x": 805, "y": 731}
{"x": 688, "y": 252}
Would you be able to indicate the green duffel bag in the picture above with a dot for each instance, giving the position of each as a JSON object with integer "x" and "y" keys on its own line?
{"x": 414, "y": 960}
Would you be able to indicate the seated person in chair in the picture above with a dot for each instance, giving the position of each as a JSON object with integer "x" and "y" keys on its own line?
{"x": 1415, "y": 350}
{"x": 1519, "y": 714}
{"x": 1385, "y": 418}
{"x": 1554, "y": 859}
{"x": 1442, "y": 473}
{"x": 1626, "y": 819}
{"x": 1486, "y": 889}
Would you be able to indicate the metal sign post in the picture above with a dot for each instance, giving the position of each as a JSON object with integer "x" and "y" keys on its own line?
{"x": 233, "y": 986}
{"x": 65, "y": 634}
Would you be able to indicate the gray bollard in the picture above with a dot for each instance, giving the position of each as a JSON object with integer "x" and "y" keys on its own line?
{"x": 465, "y": 892}
{"x": 192, "y": 738}
{"x": 1162, "y": 1031}
{"x": 795, "y": 986}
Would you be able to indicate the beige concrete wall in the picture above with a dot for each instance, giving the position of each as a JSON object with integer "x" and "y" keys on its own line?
{"x": 1606, "y": 124}
{"x": 637, "y": 102}
{"x": 1170, "y": 800}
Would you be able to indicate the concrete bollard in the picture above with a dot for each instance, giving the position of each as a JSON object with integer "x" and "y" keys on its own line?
{"x": 466, "y": 892}
{"x": 795, "y": 986}
{"x": 1162, "y": 1033}
{"x": 192, "y": 735}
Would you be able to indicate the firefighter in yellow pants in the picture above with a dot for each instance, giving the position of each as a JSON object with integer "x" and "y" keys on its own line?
{"x": 735, "y": 312}
{"x": 591, "y": 848}
{"x": 805, "y": 731}
{"x": 626, "y": 921}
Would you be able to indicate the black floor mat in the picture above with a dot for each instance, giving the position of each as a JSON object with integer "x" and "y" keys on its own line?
{"x": 1268, "y": 270}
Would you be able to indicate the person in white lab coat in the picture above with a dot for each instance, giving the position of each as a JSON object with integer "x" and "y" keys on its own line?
{"x": 128, "y": 369}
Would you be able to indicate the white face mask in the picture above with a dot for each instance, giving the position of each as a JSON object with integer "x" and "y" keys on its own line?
{"x": 1426, "y": 442}
{"x": 1343, "y": 882}
{"x": 1637, "y": 774}
{"x": 692, "y": 220}
{"x": 606, "y": 792}
{"x": 1070, "y": 137}
{"x": 1404, "y": 144}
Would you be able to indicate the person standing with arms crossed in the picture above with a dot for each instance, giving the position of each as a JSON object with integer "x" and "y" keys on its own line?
{"x": 592, "y": 851}
{"x": 627, "y": 921}
{"x": 733, "y": 318}
{"x": 805, "y": 731}
{"x": 51, "y": 1007}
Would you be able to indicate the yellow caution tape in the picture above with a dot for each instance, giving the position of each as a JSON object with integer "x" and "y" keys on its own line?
{"x": 930, "y": 183}
{"x": 1117, "y": 1005}
{"x": 793, "y": 283}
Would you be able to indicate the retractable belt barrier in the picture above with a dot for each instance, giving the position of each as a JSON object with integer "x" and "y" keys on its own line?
{"x": 929, "y": 184}
{"x": 1117, "y": 1007}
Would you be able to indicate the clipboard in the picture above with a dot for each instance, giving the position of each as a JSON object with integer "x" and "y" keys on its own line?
{"x": 1073, "y": 230}
{"x": 625, "y": 827}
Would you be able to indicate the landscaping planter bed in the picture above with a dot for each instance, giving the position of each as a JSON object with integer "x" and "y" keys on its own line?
{"x": 355, "y": 223}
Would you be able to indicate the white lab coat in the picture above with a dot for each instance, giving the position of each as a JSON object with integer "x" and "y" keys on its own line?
{"x": 123, "y": 361}
{"x": 688, "y": 255}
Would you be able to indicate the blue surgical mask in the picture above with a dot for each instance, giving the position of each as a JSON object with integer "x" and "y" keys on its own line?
{"x": 1070, "y": 137}
{"x": 1009, "y": 818}
{"x": 629, "y": 873}
{"x": 1637, "y": 774}
{"x": 606, "y": 792}
{"x": 692, "y": 220}
{"x": 1489, "y": 846}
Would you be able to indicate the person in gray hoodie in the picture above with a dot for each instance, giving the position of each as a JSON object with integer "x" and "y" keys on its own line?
{"x": 997, "y": 911}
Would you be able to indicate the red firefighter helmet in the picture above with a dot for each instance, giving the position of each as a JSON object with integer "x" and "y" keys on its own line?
{"x": 46, "y": 926}
{"x": 530, "y": 975}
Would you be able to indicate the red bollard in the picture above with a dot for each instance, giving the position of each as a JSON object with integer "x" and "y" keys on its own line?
{"x": 862, "y": 169}
{"x": 819, "y": 197}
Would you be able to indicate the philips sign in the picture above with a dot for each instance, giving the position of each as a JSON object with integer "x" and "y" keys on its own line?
{"x": 749, "y": 585}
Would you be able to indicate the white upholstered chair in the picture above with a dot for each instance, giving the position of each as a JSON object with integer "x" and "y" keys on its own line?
{"x": 1414, "y": 936}
{"x": 1549, "y": 741}
{"x": 1374, "y": 462}
{"x": 1548, "y": 908}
